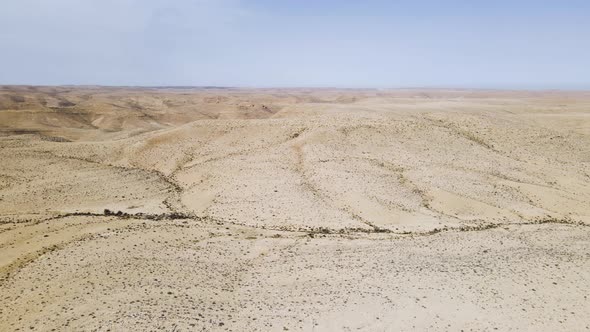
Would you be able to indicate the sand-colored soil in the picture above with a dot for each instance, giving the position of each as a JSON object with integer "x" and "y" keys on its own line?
{"x": 314, "y": 210}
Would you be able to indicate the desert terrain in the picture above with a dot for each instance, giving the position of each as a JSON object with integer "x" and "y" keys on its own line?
{"x": 221, "y": 209}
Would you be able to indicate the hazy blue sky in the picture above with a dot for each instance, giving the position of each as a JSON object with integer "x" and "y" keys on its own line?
{"x": 345, "y": 43}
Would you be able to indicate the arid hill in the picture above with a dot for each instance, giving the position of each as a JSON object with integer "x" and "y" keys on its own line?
{"x": 293, "y": 209}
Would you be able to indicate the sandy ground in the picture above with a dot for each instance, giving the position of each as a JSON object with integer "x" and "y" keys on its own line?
{"x": 315, "y": 210}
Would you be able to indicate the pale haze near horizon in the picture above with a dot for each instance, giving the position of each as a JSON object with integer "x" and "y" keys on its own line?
{"x": 472, "y": 44}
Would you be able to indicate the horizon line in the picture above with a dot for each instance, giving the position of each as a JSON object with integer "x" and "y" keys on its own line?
{"x": 310, "y": 87}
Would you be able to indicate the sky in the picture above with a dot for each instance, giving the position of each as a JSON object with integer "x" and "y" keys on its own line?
{"x": 525, "y": 44}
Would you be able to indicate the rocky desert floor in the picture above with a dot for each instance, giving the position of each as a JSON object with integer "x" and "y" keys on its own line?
{"x": 210, "y": 209}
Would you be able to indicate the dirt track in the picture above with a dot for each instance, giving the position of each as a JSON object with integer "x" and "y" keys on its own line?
{"x": 293, "y": 209}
